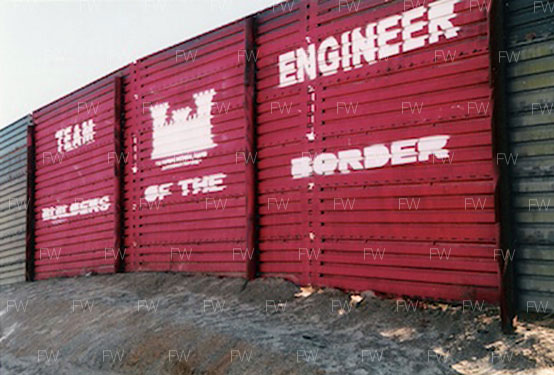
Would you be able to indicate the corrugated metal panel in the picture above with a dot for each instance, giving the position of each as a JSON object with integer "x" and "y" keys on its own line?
{"x": 530, "y": 70}
{"x": 13, "y": 204}
{"x": 76, "y": 186}
{"x": 185, "y": 179}
{"x": 282, "y": 125}
{"x": 420, "y": 222}
{"x": 336, "y": 222}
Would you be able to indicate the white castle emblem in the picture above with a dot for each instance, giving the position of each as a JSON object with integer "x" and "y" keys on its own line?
{"x": 180, "y": 139}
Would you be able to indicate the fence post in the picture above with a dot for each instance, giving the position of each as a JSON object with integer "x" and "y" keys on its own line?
{"x": 250, "y": 134}
{"x": 501, "y": 144}
{"x": 30, "y": 222}
{"x": 118, "y": 175}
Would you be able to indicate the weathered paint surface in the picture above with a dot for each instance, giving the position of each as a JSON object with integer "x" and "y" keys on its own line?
{"x": 13, "y": 200}
{"x": 389, "y": 145}
{"x": 530, "y": 70}
{"x": 184, "y": 135}
{"x": 76, "y": 199}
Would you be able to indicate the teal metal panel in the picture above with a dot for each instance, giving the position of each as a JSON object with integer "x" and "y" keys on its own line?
{"x": 530, "y": 84}
{"x": 13, "y": 200}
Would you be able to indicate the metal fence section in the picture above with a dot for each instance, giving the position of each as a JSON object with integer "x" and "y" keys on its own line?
{"x": 387, "y": 153}
{"x": 185, "y": 191}
{"x": 283, "y": 121}
{"x": 361, "y": 130}
{"x": 77, "y": 224}
{"x": 530, "y": 83}
{"x": 13, "y": 200}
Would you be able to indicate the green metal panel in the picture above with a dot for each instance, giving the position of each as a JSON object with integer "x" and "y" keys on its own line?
{"x": 530, "y": 74}
{"x": 13, "y": 200}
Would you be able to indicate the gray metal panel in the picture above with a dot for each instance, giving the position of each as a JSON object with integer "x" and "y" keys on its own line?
{"x": 13, "y": 200}
{"x": 530, "y": 35}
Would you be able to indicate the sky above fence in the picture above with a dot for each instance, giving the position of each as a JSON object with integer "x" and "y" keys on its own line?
{"x": 50, "y": 48}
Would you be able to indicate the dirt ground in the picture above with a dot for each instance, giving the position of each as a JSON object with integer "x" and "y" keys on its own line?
{"x": 161, "y": 323}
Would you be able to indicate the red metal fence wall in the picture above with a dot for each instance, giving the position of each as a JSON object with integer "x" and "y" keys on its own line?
{"x": 76, "y": 183}
{"x": 185, "y": 192}
{"x": 374, "y": 166}
{"x": 421, "y": 227}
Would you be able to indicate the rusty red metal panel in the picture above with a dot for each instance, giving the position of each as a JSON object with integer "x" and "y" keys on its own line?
{"x": 385, "y": 156}
{"x": 185, "y": 132}
{"x": 76, "y": 187}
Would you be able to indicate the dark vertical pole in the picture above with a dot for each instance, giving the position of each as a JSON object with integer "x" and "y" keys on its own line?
{"x": 502, "y": 146}
{"x": 30, "y": 224}
{"x": 250, "y": 173}
{"x": 118, "y": 174}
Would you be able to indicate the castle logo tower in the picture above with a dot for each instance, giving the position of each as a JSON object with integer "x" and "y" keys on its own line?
{"x": 184, "y": 138}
